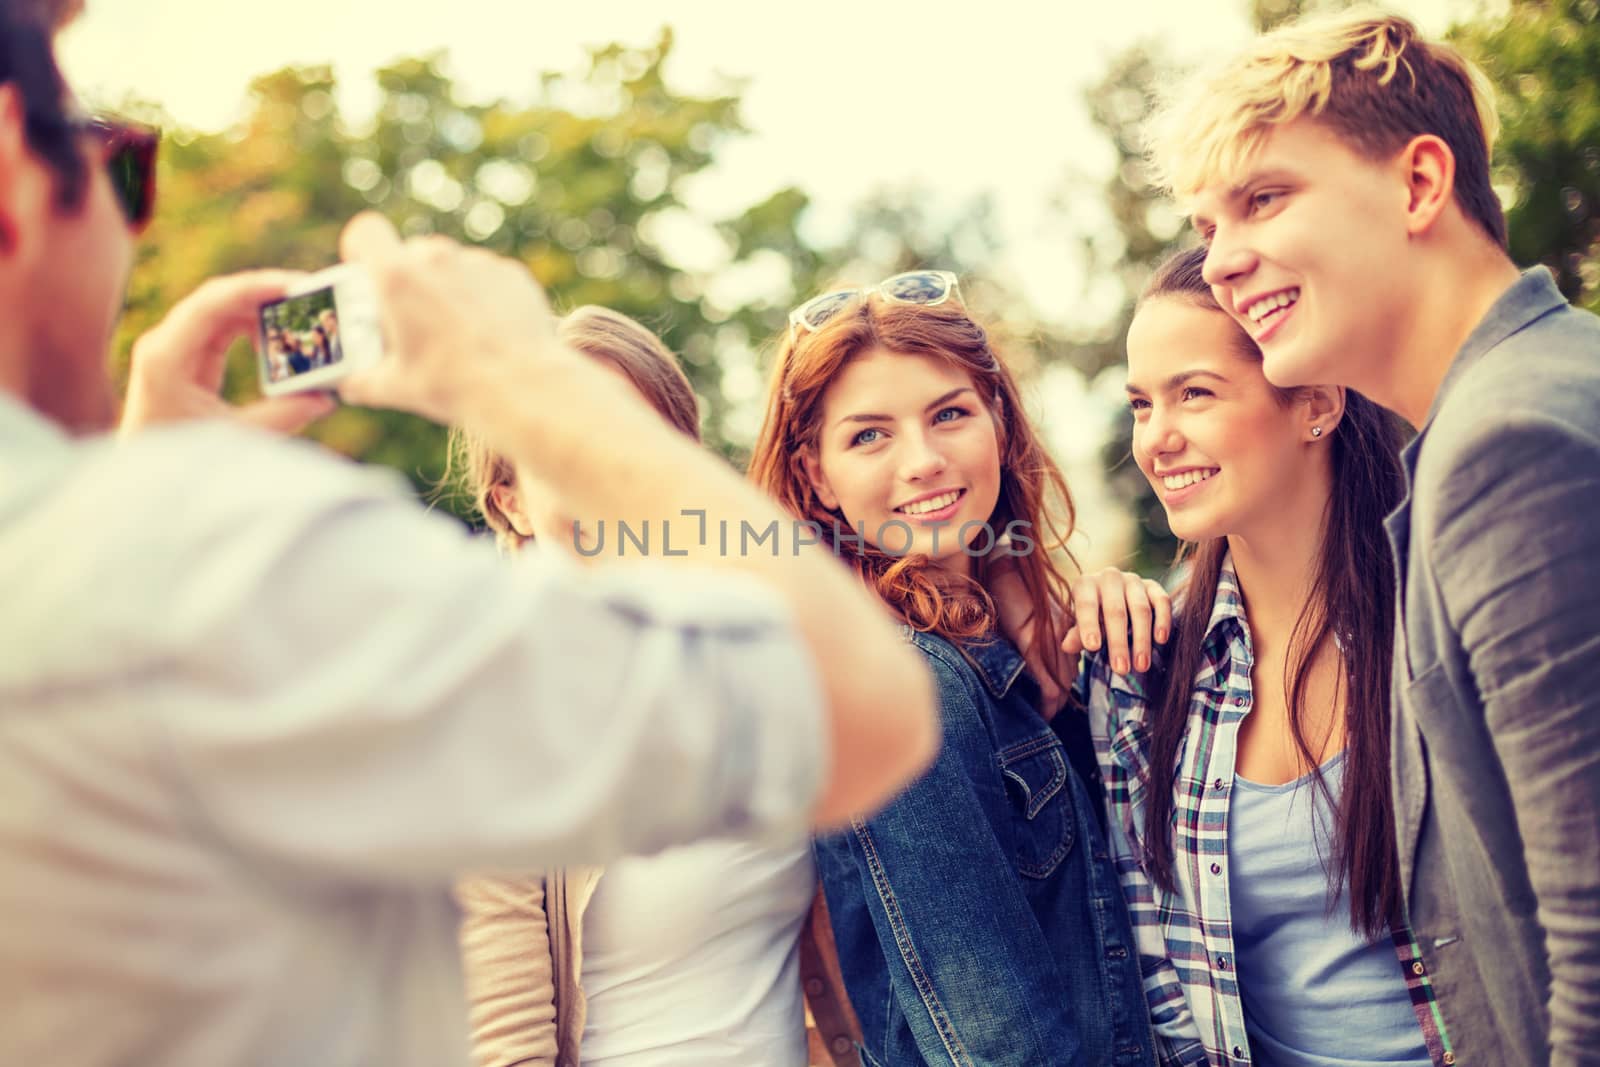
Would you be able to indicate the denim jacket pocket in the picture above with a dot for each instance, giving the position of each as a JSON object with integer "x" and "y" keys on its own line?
{"x": 1035, "y": 773}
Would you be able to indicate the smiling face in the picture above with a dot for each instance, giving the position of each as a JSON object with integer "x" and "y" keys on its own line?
{"x": 1310, "y": 254}
{"x": 1219, "y": 445}
{"x": 906, "y": 443}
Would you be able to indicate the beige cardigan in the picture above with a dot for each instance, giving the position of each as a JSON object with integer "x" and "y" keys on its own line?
{"x": 522, "y": 951}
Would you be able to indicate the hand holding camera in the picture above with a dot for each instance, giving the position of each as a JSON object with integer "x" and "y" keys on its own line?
{"x": 323, "y": 329}
{"x": 456, "y": 322}
{"x": 177, "y": 366}
{"x": 406, "y": 325}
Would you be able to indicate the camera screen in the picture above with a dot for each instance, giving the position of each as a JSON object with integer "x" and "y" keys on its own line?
{"x": 300, "y": 333}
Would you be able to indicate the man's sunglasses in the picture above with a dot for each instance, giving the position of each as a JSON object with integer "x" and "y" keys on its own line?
{"x": 128, "y": 151}
{"x": 130, "y": 159}
{"x": 928, "y": 288}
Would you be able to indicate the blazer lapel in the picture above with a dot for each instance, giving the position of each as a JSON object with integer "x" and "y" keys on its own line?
{"x": 1408, "y": 771}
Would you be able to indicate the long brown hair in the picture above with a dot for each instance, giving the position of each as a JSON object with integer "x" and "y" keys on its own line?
{"x": 605, "y": 335}
{"x": 1352, "y": 603}
{"x": 1032, "y": 489}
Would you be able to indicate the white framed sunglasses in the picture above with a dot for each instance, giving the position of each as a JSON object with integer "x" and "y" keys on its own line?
{"x": 929, "y": 288}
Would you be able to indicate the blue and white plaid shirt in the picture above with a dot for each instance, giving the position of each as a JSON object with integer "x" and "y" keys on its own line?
{"x": 1185, "y": 939}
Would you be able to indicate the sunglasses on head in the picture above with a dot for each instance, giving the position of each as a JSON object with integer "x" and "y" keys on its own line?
{"x": 928, "y": 288}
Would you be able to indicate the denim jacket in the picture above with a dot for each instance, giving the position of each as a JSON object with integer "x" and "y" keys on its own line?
{"x": 978, "y": 917}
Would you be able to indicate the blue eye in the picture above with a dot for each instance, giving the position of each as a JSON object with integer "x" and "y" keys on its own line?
{"x": 1138, "y": 404}
{"x": 954, "y": 413}
{"x": 1193, "y": 392}
{"x": 862, "y": 438}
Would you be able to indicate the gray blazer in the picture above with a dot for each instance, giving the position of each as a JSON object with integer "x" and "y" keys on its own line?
{"x": 1496, "y": 737}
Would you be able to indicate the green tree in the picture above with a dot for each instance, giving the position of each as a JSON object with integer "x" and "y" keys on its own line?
{"x": 1543, "y": 56}
{"x": 1143, "y": 230}
{"x": 583, "y": 183}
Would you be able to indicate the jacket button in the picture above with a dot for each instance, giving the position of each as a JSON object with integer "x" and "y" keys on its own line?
{"x": 1217, "y": 784}
{"x": 1238, "y": 702}
{"x": 1222, "y": 963}
{"x": 1417, "y": 968}
{"x": 1449, "y": 1059}
{"x": 1216, "y": 868}
{"x": 841, "y": 1045}
{"x": 1238, "y": 1053}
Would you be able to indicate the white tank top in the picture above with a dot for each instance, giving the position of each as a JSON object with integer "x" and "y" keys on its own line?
{"x": 691, "y": 957}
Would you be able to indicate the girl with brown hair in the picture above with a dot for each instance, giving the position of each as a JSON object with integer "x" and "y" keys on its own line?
{"x": 977, "y": 918}
{"x": 1249, "y": 779}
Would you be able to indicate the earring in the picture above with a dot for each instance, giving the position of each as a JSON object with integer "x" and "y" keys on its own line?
{"x": 1316, "y": 431}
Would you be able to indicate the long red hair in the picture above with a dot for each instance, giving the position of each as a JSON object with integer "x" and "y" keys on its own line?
{"x": 1032, "y": 489}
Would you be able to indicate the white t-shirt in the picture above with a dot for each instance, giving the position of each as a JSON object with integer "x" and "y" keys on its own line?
{"x": 258, "y": 711}
{"x": 691, "y": 958}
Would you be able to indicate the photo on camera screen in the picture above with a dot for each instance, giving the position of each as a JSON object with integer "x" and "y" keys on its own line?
{"x": 300, "y": 334}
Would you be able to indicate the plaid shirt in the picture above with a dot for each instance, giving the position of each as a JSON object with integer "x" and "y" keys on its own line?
{"x": 1185, "y": 939}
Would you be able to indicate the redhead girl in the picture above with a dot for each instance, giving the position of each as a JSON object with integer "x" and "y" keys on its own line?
{"x": 978, "y": 918}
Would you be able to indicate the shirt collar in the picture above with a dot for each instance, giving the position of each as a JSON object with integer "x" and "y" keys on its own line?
{"x": 33, "y": 453}
{"x": 24, "y": 430}
{"x": 1229, "y": 601}
{"x": 1532, "y": 296}
{"x": 997, "y": 660}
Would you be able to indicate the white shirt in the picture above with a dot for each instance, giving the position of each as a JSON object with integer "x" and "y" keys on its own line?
{"x": 691, "y": 958}
{"x": 257, "y": 711}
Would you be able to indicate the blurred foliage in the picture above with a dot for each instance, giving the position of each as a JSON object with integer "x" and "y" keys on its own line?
{"x": 585, "y": 184}
{"x": 589, "y": 182}
{"x": 1543, "y": 56}
{"x": 1146, "y": 230}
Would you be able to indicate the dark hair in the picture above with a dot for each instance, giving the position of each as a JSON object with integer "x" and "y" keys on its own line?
{"x": 1352, "y": 602}
{"x": 28, "y": 62}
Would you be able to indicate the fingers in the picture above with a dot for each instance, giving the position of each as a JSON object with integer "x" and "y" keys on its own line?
{"x": 288, "y": 414}
{"x": 1140, "y": 619}
{"x": 1123, "y": 612}
{"x": 1114, "y": 619}
{"x": 1072, "y": 644}
{"x": 369, "y": 238}
{"x": 379, "y": 386}
{"x": 1086, "y": 611}
{"x": 193, "y": 339}
{"x": 1161, "y": 601}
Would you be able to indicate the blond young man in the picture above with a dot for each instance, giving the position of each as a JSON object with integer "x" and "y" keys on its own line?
{"x": 1339, "y": 172}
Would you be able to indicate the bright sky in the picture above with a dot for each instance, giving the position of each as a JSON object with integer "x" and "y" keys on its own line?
{"x": 845, "y": 96}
